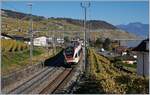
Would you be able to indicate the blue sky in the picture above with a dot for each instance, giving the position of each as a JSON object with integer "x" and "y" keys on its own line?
{"x": 114, "y": 12}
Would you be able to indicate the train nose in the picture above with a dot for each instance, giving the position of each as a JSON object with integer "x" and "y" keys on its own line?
{"x": 69, "y": 63}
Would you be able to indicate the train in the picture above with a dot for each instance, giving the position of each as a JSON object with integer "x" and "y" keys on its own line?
{"x": 72, "y": 53}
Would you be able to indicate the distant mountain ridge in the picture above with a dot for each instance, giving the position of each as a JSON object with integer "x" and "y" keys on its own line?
{"x": 137, "y": 28}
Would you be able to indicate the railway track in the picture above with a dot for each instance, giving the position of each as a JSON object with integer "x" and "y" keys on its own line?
{"x": 29, "y": 83}
{"x": 46, "y": 81}
{"x": 53, "y": 85}
{"x": 49, "y": 78}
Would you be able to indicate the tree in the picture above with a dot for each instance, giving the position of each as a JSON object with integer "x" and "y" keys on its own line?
{"x": 99, "y": 42}
{"x": 107, "y": 44}
{"x": 66, "y": 39}
{"x": 91, "y": 43}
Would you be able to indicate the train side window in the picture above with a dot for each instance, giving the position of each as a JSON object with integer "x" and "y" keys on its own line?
{"x": 76, "y": 55}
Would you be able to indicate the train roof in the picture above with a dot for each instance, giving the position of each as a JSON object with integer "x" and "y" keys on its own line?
{"x": 73, "y": 44}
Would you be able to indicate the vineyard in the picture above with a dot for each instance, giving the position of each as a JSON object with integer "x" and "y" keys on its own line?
{"x": 8, "y": 45}
{"x": 16, "y": 55}
{"x": 113, "y": 80}
{"x": 20, "y": 27}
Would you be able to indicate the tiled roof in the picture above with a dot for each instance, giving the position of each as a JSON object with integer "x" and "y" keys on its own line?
{"x": 142, "y": 46}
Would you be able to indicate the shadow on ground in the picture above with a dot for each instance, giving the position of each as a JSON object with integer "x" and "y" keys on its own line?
{"x": 56, "y": 61}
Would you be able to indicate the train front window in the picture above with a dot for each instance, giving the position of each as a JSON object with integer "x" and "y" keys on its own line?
{"x": 69, "y": 51}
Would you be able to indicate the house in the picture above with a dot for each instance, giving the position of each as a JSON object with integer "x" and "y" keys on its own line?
{"x": 60, "y": 40}
{"x": 102, "y": 50}
{"x": 122, "y": 50}
{"x": 115, "y": 44}
{"x": 124, "y": 53}
{"x": 128, "y": 59}
{"x": 40, "y": 41}
{"x": 142, "y": 51}
{"x": 50, "y": 40}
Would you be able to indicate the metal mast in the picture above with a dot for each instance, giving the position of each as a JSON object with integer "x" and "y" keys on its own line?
{"x": 31, "y": 32}
{"x": 85, "y": 5}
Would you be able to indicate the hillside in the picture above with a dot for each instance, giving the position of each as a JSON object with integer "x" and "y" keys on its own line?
{"x": 114, "y": 34}
{"x": 136, "y": 28}
{"x": 16, "y": 23}
{"x": 19, "y": 15}
{"x": 93, "y": 24}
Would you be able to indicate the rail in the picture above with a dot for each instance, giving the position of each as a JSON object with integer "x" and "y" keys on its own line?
{"x": 56, "y": 82}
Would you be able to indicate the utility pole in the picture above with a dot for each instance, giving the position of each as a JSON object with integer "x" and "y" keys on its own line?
{"x": 48, "y": 38}
{"x": 85, "y": 5}
{"x": 18, "y": 24}
{"x": 54, "y": 41}
{"x": 89, "y": 28}
{"x": 63, "y": 34}
{"x": 31, "y": 32}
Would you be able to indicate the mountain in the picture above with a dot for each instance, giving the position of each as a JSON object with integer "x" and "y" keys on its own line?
{"x": 20, "y": 15}
{"x": 93, "y": 24}
{"x": 17, "y": 23}
{"x": 137, "y": 28}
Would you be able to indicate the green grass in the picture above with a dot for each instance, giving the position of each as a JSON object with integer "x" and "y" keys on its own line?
{"x": 129, "y": 65}
{"x": 117, "y": 61}
{"x": 16, "y": 54}
{"x": 15, "y": 59}
{"x": 12, "y": 61}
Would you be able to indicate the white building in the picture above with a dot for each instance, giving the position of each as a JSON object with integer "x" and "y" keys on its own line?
{"x": 124, "y": 53}
{"x": 60, "y": 40}
{"x": 143, "y": 58}
{"x": 129, "y": 61}
{"x": 40, "y": 41}
{"x": 102, "y": 50}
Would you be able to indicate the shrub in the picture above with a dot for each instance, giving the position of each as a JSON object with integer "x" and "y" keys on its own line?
{"x": 112, "y": 80}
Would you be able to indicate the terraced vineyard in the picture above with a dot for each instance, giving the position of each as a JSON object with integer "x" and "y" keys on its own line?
{"x": 9, "y": 45}
{"x": 111, "y": 79}
{"x": 20, "y": 27}
{"x": 16, "y": 55}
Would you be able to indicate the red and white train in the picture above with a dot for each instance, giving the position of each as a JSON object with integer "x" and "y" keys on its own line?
{"x": 72, "y": 53}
